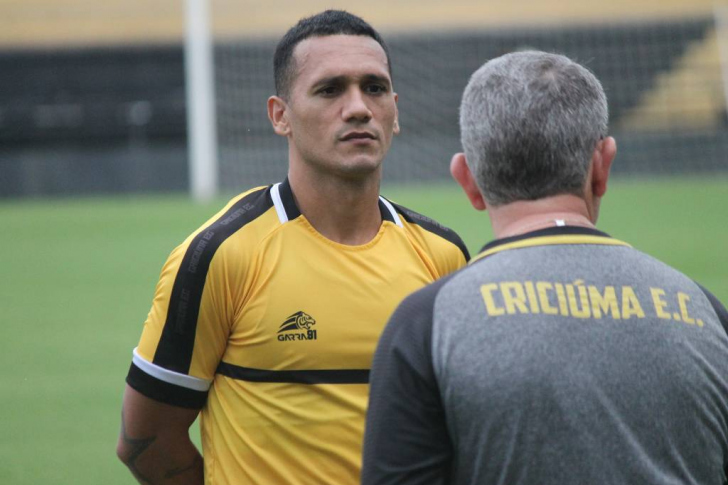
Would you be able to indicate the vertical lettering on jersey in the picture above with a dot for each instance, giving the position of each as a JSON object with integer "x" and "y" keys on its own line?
{"x": 174, "y": 351}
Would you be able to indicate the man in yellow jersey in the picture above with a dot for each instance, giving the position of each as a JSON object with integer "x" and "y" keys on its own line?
{"x": 265, "y": 319}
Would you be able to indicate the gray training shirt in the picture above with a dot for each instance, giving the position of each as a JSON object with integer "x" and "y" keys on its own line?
{"x": 562, "y": 356}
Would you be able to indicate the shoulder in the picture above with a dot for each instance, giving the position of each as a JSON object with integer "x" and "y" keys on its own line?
{"x": 429, "y": 229}
{"x": 243, "y": 212}
{"x": 239, "y": 212}
{"x": 718, "y": 307}
{"x": 246, "y": 219}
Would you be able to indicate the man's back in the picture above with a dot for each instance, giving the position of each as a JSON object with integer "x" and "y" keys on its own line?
{"x": 563, "y": 356}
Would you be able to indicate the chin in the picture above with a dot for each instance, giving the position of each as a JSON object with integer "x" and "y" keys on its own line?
{"x": 346, "y": 166}
{"x": 360, "y": 169}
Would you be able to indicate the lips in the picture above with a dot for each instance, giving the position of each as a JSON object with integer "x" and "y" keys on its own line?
{"x": 358, "y": 135}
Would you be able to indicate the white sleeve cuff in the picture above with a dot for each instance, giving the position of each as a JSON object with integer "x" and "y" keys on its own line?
{"x": 171, "y": 377}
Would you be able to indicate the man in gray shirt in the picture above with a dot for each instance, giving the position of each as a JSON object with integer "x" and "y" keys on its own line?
{"x": 559, "y": 355}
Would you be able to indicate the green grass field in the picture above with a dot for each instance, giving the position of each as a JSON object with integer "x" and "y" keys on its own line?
{"x": 78, "y": 277}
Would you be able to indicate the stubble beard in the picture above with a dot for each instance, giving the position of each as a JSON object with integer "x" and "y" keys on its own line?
{"x": 359, "y": 165}
{"x": 356, "y": 168}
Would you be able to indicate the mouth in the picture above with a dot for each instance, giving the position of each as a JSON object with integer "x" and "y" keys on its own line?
{"x": 358, "y": 135}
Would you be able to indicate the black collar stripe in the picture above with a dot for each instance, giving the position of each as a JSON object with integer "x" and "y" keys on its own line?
{"x": 388, "y": 212}
{"x": 286, "y": 201}
{"x": 278, "y": 203}
{"x": 548, "y": 231}
{"x": 549, "y": 236}
{"x": 287, "y": 209}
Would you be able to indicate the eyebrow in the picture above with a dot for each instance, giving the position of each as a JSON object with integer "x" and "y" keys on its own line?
{"x": 343, "y": 79}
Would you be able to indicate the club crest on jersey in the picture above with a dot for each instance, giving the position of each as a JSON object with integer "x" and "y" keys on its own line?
{"x": 297, "y": 327}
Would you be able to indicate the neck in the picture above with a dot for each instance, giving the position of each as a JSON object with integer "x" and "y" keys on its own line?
{"x": 525, "y": 216}
{"x": 343, "y": 210}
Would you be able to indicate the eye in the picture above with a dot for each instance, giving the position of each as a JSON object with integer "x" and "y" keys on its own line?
{"x": 375, "y": 88}
{"x": 328, "y": 91}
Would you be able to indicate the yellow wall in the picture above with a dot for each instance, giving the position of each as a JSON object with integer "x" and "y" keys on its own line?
{"x": 53, "y": 22}
{"x": 689, "y": 96}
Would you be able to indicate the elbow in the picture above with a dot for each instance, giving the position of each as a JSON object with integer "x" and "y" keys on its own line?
{"x": 122, "y": 451}
{"x": 126, "y": 452}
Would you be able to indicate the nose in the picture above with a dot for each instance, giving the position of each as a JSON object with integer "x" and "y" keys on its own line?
{"x": 355, "y": 106}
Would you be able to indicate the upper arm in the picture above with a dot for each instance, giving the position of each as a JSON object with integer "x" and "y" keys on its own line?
{"x": 406, "y": 439}
{"x": 143, "y": 416}
{"x": 173, "y": 367}
{"x": 146, "y": 422}
{"x": 187, "y": 329}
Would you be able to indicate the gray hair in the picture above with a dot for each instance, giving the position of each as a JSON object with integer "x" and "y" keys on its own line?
{"x": 529, "y": 124}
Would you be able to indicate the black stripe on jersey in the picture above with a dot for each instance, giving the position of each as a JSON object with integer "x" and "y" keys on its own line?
{"x": 326, "y": 376}
{"x": 433, "y": 226}
{"x": 174, "y": 351}
{"x": 289, "y": 203}
{"x": 164, "y": 391}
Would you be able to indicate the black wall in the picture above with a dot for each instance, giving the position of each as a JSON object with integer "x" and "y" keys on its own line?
{"x": 111, "y": 120}
{"x": 92, "y": 121}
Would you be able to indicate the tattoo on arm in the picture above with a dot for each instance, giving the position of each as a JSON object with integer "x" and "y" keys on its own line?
{"x": 137, "y": 446}
{"x": 174, "y": 472}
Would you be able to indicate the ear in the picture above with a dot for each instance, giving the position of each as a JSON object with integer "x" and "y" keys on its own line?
{"x": 277, "y": 114}
{"x": 396, "y": 114}
{"x": 462, "y": 175}
{"x": 602, "y": 158}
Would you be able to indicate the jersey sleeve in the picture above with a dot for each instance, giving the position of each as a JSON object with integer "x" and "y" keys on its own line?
{"x": 186, "y": 332}
{"x": 406, "y": 440}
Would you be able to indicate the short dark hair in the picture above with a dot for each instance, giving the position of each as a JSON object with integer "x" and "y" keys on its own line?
{"x": 329, "y": 22}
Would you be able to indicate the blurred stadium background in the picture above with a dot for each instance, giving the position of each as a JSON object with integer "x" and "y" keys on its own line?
{"x": 94, "y": 166}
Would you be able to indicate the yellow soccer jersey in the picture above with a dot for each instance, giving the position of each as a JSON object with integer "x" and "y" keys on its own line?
{"x": 270, "y": 328}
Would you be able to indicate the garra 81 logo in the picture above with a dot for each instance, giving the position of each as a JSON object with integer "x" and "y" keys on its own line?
{"x": 297, "y": 327}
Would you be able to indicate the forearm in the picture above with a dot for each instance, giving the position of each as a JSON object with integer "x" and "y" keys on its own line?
{"x": 164, "y": 459}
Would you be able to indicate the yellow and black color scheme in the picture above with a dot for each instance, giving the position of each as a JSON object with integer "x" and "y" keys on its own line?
{"x": 269, "y": 328}
{"x": 559, "y": 356}
{"x": 298, "y": 327}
